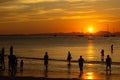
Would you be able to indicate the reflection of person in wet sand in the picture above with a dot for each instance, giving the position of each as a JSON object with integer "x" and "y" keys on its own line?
{"x": 69, "y": 68}
{"x": 46, "y": 57}
{"x": 108, "y": 63}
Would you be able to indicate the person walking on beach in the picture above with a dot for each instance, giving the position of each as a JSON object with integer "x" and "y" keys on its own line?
{"x": 112, "y": 48}
{"x": 69, "y": 57}
{"x": 81, "y": 61}
{"x": 21, "y": 65}
{"x": 102, "y": 55}
{"x": 46, "y": 58}
{"x": 108, "y": 63}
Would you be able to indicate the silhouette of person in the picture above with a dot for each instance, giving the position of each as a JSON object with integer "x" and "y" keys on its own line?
{"x": 81, "y": 61}
{"x": 112, "y": 48}
{"x": 12, "y": 63}
{"x": 11, "y": 50}
{"x": 69, "y": 57}
{"x": 2, "y": 59}
{"x": 108, "y": 63}
{"x": 21, "y": 65}
{"x": 16, "y": 63}
{"x": 102, "y": 55}
{"x": 9, "y": 58}
{"x": 12, "y": 60}
{"x": 46, "y": 57}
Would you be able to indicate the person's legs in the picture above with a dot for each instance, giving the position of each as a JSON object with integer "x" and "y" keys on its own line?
{"x": 106, "y": 67}
{"x": 110, "y": 68}
{"x": 81, "y": 69}
{"x": 9, "y": 66}
{"x": 46, "y": 67}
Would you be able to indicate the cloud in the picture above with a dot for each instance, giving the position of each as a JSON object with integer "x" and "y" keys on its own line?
{"x": 113, "y": 9}
{"x": 38, "y": 1}
{"x": 35, "y": 1}
{"x": 29, "y": 10}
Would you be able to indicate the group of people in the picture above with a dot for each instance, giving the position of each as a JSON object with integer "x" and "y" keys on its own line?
{"x": 108, "y": 59}
{"x": 81, "y": 61}
{"x": 102, "y": 53}
{"x": 12, "y": 61}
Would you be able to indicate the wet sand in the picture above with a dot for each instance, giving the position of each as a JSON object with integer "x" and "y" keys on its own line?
{"x": 36, "y": 75}
{"x": 92, "y": 71}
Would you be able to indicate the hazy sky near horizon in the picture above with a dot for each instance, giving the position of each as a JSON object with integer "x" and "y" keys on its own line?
{"x": 49, "y": 16}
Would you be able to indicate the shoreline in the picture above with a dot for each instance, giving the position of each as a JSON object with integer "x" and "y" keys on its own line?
{"x": 72, "y": 61}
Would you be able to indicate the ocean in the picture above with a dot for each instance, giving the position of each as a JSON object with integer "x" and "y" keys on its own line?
{"x": 35, "y": 46}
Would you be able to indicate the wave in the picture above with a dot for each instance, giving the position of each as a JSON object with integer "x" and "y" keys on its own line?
{"x": 73, "y": 61}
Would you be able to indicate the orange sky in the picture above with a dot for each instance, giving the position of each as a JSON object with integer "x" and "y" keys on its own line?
{"x": 51, "y": 16}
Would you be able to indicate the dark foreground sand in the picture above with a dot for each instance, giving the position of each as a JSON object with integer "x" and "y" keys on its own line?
{"x": 42, "y": 78}
{"x": 33, "y": 78}
{"x": 61, "y": 76}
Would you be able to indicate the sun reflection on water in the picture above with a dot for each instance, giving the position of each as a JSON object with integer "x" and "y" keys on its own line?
{"x": 89, "y": 76}
{"x": 90, "y": 50}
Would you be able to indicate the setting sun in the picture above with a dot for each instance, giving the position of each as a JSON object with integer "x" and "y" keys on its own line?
{"x": 90, "y": 29}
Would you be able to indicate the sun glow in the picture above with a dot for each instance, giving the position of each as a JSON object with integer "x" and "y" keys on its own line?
{"x": 90, "y": 29}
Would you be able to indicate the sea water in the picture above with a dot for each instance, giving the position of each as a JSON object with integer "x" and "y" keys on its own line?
{"x": 35, "y": 46}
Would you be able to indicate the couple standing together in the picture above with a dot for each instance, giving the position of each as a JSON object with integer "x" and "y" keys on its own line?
{"x": 80, "y": 61}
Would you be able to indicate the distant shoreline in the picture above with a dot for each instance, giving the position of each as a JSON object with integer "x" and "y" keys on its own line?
{"x": 80, "y": 34}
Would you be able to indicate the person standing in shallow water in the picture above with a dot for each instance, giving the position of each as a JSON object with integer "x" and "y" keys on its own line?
{"x": 69, "y": 57}
{"x": 112, "y": 48}
{"x": 81, "y": 62}
{"x": 102, "y": 55}
{"x": 21, "y": 65}
{"x": 46, "y": 57}
{"x": 108, "y": 63}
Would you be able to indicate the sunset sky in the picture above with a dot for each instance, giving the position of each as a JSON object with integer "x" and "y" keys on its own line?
{"x": 51, "y": 16}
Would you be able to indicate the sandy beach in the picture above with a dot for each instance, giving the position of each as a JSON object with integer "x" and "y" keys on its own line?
{"x": 92, "y": 71}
